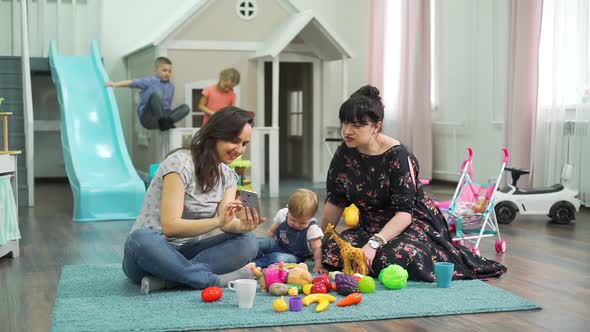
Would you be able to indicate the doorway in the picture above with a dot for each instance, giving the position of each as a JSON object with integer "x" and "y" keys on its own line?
{"x": 295, "y": 118}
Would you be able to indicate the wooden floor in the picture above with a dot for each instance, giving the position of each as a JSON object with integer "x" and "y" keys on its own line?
{"x": 548, "y": 264}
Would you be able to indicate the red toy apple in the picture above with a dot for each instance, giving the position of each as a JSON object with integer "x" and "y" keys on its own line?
{"x": 211, "y": 294}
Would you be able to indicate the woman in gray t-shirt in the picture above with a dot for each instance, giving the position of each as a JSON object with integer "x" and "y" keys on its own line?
{"x": 193, "y": 193}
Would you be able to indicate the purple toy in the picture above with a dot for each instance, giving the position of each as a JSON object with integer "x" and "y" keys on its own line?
{"x": 346, "y": 284}
{"x": 295, "y": 304}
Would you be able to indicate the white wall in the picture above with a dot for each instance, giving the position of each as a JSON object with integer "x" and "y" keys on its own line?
{"x": 130, "y": 24}
{"x": 472, "y": 70}
{"x": 350, "y": 21}
{"x": 73, "y": 24}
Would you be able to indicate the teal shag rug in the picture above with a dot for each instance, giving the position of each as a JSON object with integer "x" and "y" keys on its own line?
{"x": 101, "y": 298}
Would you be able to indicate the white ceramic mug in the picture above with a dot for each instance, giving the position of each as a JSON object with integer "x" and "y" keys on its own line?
{"x": 245, "y": 291}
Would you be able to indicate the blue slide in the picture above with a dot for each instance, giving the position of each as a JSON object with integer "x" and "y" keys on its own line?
{"x": 104, "y": 182}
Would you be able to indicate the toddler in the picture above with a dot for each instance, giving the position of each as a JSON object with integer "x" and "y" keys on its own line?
{"x": 295, "y": 234}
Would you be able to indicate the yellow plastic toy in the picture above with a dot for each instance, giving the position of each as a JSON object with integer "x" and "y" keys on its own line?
{"x": 240, "y": 165}
{"x": 323, "y": 301}
{"x": 348, "y": 253}
{"x": 351, "y": 216}
{"x": 280, "y": 305}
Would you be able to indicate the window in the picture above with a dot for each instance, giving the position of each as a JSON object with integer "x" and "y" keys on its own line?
{"x": 392, "y": 63}
{"x": 564, "y": 53}
{"x": 246, "y": 9}
{"x": 295, "y": 109}
{"x": 392, "y": 57}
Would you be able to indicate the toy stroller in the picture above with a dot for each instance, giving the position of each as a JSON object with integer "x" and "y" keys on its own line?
{"x": 466, "y": 166}
{"x": 471, "y": 210}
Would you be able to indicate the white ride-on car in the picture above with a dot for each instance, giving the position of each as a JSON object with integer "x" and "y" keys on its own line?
{"x": 560, "y": 201}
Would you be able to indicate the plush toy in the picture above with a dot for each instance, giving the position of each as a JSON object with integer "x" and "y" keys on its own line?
{"x": 481, "y": 203}
{"x": 297, "y": 274}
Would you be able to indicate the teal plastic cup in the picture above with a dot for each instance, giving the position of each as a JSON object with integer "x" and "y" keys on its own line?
{"x": 444, "y": 274}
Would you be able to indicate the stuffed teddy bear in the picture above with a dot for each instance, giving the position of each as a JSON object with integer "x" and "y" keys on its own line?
{"x": 481, "y": 203}
{"x": 297, "y": 274}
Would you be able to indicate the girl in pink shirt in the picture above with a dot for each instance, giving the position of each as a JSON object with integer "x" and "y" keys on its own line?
{"x": 221, "y": 94}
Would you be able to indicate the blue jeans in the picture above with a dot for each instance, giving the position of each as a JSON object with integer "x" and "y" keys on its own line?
{"x": 269, "y": 252}
{"x": 196, "y": 263}
{"x": 154, "y": 111}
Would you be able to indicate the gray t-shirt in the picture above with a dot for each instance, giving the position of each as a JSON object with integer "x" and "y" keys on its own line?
{"x": 197, "y": 205}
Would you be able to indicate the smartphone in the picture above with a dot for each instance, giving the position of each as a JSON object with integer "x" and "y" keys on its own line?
{"x": 250, "y": 199}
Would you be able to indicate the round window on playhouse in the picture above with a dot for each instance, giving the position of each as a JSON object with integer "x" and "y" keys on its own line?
{"x": 246, "y": 9}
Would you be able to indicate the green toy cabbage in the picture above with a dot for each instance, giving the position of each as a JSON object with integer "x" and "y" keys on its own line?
{"x": 393, "y": 277}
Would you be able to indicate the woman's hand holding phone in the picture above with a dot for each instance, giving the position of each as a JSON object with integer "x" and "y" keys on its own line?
{"x": 250, "y": 219}
{"x": 250, "y": 216}
{"x": 230, "y": 213}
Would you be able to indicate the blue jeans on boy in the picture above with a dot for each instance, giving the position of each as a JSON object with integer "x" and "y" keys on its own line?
{"x": 269, "y": 252}
{"x": 196, "y": 264}
{"x": 154, "y": 111}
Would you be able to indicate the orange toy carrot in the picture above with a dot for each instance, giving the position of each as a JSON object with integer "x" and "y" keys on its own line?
{"x": 352, "y": 298}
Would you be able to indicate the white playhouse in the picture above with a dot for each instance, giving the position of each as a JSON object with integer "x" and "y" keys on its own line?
{"x": 280, "y": 53}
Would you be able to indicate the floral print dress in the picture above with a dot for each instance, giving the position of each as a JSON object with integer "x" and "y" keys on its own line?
{"x": 382, "y": 185}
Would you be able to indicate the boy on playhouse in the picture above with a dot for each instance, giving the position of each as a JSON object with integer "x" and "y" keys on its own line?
{"x": 295, "y": 235}
{"x": 154, "y": 109}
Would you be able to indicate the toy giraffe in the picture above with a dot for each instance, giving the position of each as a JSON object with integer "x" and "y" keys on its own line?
{"x": 349, "y": 253}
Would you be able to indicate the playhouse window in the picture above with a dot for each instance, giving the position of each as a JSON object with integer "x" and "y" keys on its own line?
{"x": 295, "y": 110}
{"x": 246, "y": 9}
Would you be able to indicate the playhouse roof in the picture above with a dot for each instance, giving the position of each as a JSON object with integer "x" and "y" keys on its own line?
{"x": 305, "y": 25}
{"x": 308, "y": 27}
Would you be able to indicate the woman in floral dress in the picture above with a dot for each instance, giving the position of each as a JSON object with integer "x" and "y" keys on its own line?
{"x": 398, "y": 223}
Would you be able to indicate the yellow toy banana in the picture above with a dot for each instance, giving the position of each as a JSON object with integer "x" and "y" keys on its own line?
{"x": 323, "y": 301}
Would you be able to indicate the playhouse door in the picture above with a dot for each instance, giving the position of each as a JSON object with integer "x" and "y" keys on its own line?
{"x": 295, "y": 118}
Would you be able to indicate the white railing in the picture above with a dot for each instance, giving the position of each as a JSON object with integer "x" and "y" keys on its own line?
{"x": 73, "y": 23}
{"x": 28, "y": 109}
{"x": 258, "y": 159}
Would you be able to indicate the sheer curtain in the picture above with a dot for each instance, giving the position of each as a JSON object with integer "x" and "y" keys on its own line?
{"x": 407, "y": 78}
{"x": 415, "y": 112}
{"x": 564, "y": 77}
{"x": 523, "y": 58}
{"x": 391, "y": 65}
{"x": 378, "y": 10}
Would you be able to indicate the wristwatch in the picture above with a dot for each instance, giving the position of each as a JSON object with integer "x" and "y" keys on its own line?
{"x": 374, "y": 244}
